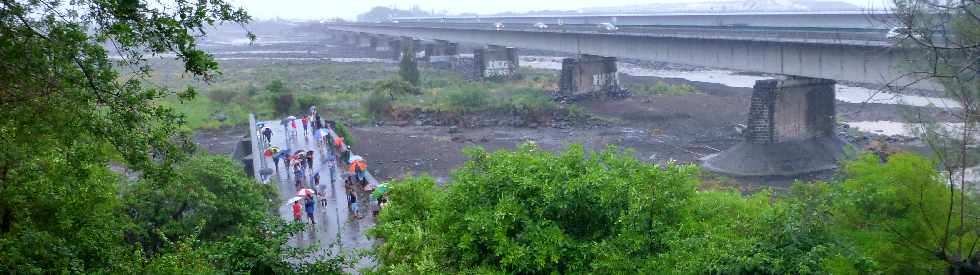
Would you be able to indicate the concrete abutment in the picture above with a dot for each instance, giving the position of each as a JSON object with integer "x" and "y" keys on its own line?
{"x": 496, "y": 62}
{"x": 589, "y": 75}
{"x": 790, "y": 131}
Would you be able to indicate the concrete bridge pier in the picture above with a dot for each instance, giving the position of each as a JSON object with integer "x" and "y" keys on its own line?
{"x": 589, "y": 75}
{"x": 496, "y": 62}
{"x": 441, "y": 54}
{"x": 790, "y": 131}
{"x": 394, "y": 49}
{"x": 373, "y": 42}
{"x": 381, "y": 44}
{"x": 363, "y": 40}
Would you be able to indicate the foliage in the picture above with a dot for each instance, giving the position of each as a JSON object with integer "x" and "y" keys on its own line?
{"x": 533, "y": 212}
{"x": 408, "y": 67}
{"x": 221, "y": 96}
{"x": 345, "y": 133}
{"x": 568, "y": 213}
{"x": 304, "y": 101}
{"x": 215, "y": 211}
{"x": 396, "y": 87}
{"x": 284, "y": 104}
{"x": 378, "y": 103}
{"x": 942, "y": 37}
{"x": 662, "y": 89}
{"x": 463, "y": 100}
{"x": 67, "y": 115}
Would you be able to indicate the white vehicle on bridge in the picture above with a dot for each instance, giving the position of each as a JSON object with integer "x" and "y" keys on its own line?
{"x": 608, "y": 27}
{"x": 498, "y": 26}
{"x": 540, "y": 25}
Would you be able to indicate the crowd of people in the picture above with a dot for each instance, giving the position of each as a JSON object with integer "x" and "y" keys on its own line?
{"x": 299, "y": 167}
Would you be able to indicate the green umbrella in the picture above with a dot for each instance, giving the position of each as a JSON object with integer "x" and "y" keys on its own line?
{"x": 380, "y": 191}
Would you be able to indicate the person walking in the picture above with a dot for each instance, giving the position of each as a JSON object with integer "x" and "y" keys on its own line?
{"x": 306, "y": 123}
{"x": 310, "y": 208}
{"x": 286, "y": 161}
{"x": 275, "y": 161}
{"x": 298, "y": 175}
{"x": 297, "y": 212}
{"x": 267, "y": 132}
{"x": 347, "y": 192}
{"x": 309, "y": 160}
{"x": 353, "y": 204}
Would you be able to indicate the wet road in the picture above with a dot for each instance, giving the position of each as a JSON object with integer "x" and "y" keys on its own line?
{"x": 335, "y": 227}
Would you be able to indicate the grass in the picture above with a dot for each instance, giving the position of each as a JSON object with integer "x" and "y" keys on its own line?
{"x": 662, "y": 89}
{"x": 342, "y": 91}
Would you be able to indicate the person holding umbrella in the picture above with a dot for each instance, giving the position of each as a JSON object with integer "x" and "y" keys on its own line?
{"x": 274, "y": 153}
{"x": 310, "y": 208}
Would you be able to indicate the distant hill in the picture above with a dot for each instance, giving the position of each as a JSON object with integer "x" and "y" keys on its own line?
{"x": 730, "y": 6}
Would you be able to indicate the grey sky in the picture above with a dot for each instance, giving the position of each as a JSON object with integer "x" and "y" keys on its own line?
{"x": 319, "y": 9}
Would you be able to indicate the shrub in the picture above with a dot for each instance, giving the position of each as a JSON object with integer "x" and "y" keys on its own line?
{"x": 304, "y": 101}
{"x": 462, "y": 100}
{"x": 341, "y": 129}
{"x": 530, "y": 101}
{"x": 221, "y": 95}
{"x": 378, "y": 103}
{"x": 662, "y": 88}
{"x": 408, "y": 68}
{"x": 284, "y": 103}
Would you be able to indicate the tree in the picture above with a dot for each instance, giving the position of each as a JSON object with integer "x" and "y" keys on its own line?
{"x": 944, "y": 37}
{"x": 408, "y": 68}
{"x": 67, "y": 115}
{"x": 533, "y": 212}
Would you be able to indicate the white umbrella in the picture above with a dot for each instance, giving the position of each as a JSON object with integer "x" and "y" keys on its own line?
{"x": 294, "y": 199}
{"x": 291, "y": 117}
{"x": 356, "y": 157}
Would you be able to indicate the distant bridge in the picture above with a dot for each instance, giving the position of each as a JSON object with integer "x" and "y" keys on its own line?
{"x": 791, "y": 124}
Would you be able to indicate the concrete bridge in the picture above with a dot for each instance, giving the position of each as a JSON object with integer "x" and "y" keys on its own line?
{"x": 791, "y": 123}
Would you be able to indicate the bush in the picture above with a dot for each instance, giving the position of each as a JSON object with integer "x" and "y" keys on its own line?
{"x": 463, "y": 100}
{"x": 284, "y": 104}
{"x": 663, "y": 89}
{"x": 529, "y": 211}
{"x": 530, "y": 101}
{"x": 304, "y": 101}
{"x": 221, "y": 95}
{"x": 341, "y": 129}
{"x": 378, "y": 103}
{"x": 408, "y": 68}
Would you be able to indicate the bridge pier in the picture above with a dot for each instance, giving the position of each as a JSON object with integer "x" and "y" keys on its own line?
{"x": 790, "y": 131}
{"x": 589, "y": 75}
{"x": 496, "y": 62}
{"x": 363, "y": 40}
{"x": 441, "y": 54}
{"x": 394, "y": 49}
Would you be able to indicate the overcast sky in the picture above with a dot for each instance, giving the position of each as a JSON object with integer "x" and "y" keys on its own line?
{"x": 319, "y": 9}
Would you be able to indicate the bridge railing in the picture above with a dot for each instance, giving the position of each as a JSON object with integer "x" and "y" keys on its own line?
{"x": 825, "y": 36}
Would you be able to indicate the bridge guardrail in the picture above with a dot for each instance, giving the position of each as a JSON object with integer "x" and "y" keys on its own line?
{"x": 849, "y": 37}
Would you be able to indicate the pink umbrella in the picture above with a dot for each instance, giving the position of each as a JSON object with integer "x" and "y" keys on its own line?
{"x": 305, "y": 192}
